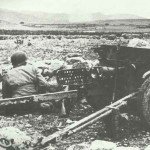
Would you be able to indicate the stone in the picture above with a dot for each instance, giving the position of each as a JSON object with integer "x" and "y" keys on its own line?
{"x": 68, "y": 121}
{"x": 127, "y": 148}
{"x": 28, "y": 125}
{"x": 79, "y": 65}
{"x": 56, "y": 64}
{"x": 18, "y": 136}
{"x": 39, "y": 118}
{"x": 138, "y": 43}
{"x": 46, "y": 106}
{"x": 102, "y": 145}
{"x": 148, "y": 147}
{"x": 73, "y": 60}
{"x": 50, "y": 147}
{"x": 81, "y": 146}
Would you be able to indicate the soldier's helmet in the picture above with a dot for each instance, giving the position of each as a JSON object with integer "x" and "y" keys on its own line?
{"x": 18, "y": 58}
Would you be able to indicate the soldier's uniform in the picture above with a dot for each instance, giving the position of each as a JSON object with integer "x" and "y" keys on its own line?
{"x": 23, "y": 79}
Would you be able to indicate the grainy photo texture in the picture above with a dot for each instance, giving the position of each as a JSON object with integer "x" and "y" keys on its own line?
{"x": 74, "y": 75}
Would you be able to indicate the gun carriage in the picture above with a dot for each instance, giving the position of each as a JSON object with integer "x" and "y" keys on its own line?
{"x": 121, "y": 71}
{"x": 121, "y": 79}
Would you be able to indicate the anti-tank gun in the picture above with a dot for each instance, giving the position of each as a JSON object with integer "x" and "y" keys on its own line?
{"x": 121, "y": 71}
{"x": 127, "y": 71}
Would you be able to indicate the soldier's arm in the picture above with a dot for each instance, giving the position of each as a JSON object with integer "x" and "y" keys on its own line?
{"x": 41, "y": 80}
{"x": 49, "y": 73}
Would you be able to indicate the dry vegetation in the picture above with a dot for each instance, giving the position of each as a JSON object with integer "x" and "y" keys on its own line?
{"x": 49, "y": 47}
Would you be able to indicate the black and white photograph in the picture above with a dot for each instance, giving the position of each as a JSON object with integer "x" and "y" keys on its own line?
{"x": 74, "y": 75}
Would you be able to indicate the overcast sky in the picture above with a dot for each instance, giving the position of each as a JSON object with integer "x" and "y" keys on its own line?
{"x": 137, "y": 7}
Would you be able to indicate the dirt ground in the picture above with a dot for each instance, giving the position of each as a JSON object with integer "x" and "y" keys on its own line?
{"x": 37, "y": 124}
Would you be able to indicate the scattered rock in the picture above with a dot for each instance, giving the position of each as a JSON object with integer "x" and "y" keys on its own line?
{"x": 56, "y": 64}
{"x": 28, "y": 126}
{"x": 127, "y": 148}
{"x": 102, "y": 145}
{"x": 81, "y": 146}
{"x": 46, "y": 106}
{"x": 69, "y": 121}
{"x": 124, "y": 116}
{"x": 138, "y": 43}
{"x": 40, "y": 117}
{"x": 18, "y": 136}
{"x": 73, "y": 60}
{"x": 148, "y": 147}
{"x": 50, "y": 147}
{"x": 79, "y": 65}
{"x": 73, "y": 55}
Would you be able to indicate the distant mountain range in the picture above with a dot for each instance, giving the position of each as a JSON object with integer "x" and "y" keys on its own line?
{"x": 32, "y": 17}
{"x": 99, "y": 16}
{"x": 15, "y": 17}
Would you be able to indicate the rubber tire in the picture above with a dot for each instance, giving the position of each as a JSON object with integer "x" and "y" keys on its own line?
{"x": 144, "y": 103}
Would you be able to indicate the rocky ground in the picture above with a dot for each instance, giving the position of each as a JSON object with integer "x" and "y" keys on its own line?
{"x": 38, "y": 124}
